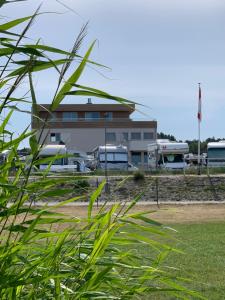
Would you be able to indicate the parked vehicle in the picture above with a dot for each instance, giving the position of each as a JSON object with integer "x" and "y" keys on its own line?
{"x": 132, "y": 167}
{"x": 167, "y": 154}
{"x": 3, "y": 156}
{"x": 67, "y": 162}
{"x": 192, "y": 159}
{"x": 216, "y": 154}
{"x": 111, "y": 157}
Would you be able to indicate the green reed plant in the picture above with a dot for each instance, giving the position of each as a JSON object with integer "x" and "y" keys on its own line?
{"x": 45, "y": 254}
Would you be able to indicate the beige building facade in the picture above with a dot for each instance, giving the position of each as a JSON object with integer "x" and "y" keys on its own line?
{"x": 82, "y": 127}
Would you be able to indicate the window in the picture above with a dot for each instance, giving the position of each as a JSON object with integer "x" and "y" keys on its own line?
{"x": 145, "y": 157}
{"x": 113, "y": 157}
{"x": 148, "y": 135}
{"x": 216, "y": 154}
{"x": 125, "y": 136}
{"x": 135, "y": 135}
{"x": 53, "y": 116}
{"x": 108, "y": 115}
{"x": 69, "y": 116}
{"x": 55, "y": 137}
{"x": 109, "y": 157}
{"x": 121, "y": 157}
{"x": 173, "y": 158}
{"x": 110, "y": 136}
{"x": 136, "y": 158}
{"x": 92, "y": 115}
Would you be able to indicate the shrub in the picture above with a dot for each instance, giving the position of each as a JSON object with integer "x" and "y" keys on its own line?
{"x": 139, "y": 176}
{"x": 81, "y": 186}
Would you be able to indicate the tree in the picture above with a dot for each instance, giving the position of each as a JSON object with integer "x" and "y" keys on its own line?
{"x": 162, "y": 135}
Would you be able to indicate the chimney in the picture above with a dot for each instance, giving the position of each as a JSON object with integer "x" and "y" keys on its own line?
{"x": 89, "y": 101}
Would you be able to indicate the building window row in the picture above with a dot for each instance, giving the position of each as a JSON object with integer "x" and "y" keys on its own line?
{"x": 137, "y": 136}
{"x": 69, "y": 115}
{"x": 112, "y": 136}
{"x": 88, "y": 116}
{"x": 136, "y": 157}
{"x": 133, "y": 136}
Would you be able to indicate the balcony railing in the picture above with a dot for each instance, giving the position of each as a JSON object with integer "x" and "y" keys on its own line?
{"x": 55, "y": 120}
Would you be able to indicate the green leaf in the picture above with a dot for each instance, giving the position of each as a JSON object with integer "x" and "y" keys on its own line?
{"x": 24, "y": 50}
{"x": 65, "y": 202}
{"x": 49, "y": 159}
{"x": 72, "y": 80}
{"x": 33, "y": 144}
{"x": 2, "y": 83}
{"x": 49, "y": 49}
{"x": 94, "y": 197}
{"x": 33, "y": 97}
{"x": 145, "y": 219}
{"x": 37, "y": 66}
{"x": 5, "y": 121}
{"x": 54, "y": 220}
{"x": 16, "y": 141}
{"x": 59, "y": 51}
{"x": 5, "y": 51}
{"x": 56, "y": 193}
{"x": 100, "y": 95}
{"x": 9, "y": 33}
{"x": 3, "y": 39}
{"x": 14, "y": 23}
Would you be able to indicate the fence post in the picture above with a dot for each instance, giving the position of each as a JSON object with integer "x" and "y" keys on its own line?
{"x": 97, "y": 187}
{"x": 157, "y": 190}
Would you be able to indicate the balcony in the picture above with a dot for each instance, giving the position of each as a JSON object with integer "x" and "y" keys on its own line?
{"x": 95, "y": 123}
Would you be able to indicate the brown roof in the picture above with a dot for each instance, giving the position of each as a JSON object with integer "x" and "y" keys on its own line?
{"x": 90, "y": 107}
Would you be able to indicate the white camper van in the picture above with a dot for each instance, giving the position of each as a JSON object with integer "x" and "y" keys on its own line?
{"x": 167, "y": 154}
{"x": 70, "y": 163}
{"x": 216, "y": 154}
{"x": 111, "y": 157}
{"x": 3, "y": 156}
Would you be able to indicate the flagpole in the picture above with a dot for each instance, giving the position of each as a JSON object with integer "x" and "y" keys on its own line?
{"x": 199, "y": 129}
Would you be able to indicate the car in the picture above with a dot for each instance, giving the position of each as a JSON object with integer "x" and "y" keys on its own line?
{"x": 132, "y": 167}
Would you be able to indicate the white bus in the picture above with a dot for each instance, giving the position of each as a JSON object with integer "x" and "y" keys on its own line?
{"x": 216, "y": 154}
{"x": 111, "y": 157}
{"x": 70, "y": 161}
{"x": 167, "y": 154}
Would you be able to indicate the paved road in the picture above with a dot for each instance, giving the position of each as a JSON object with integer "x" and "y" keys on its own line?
{"x": 142, "y": 203}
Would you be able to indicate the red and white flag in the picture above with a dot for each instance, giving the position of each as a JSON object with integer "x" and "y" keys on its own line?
{"x": 199, "y": 103}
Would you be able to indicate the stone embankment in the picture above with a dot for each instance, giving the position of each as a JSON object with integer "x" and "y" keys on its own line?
{"x": 168, "y": 188}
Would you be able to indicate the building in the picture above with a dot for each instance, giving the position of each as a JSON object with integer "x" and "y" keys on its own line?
{"x": 83, "y": 127}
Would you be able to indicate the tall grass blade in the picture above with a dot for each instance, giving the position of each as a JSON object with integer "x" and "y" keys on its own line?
{"x": 72, "y": 80}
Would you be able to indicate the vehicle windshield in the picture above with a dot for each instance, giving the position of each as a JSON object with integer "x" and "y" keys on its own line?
{"x": 216, "y": 154}
{"x": 114, "y": 157}
{"x": 173, "y": 158}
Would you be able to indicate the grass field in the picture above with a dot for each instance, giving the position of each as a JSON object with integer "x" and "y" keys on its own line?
{"x": 201, "y": 235}
{"x": 203, "y": 261}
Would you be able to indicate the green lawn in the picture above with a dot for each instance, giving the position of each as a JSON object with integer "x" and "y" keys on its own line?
{"x": 203, "y": 261}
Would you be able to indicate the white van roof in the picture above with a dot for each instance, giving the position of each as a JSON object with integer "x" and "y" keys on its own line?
{"x": 53, "y": 150}
{"x": 112, "y": 148}
{"x": 167, "y": 146}
{"x": 220, "y": 144}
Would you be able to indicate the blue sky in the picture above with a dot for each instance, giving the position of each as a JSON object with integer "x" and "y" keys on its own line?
{"x": 157, "y": 50}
